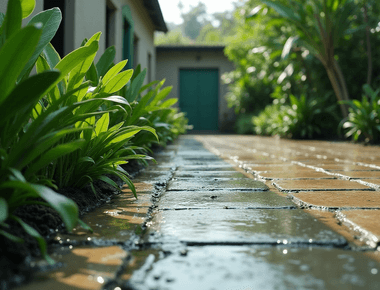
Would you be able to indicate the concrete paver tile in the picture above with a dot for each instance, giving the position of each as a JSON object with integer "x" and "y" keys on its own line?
{"x": 196, "y": 153}
{"x": 252, "y": 267}
{"x": 297, "y": 174}
{"x": 217, "y": 174}
{"x": 341, "y": 167}
{"x": 338, "y": 199}
{"x": 141, "y": 187}
{"x": 375, "y": 182}
{"x": 270, "y": 226}
{"x": 84, "y": 268}
{"x": 260, "y": 162}
{"x": 273, "y": 167}
{"x": 319, "y": 184}
{"x": 365, "y": 222}
{"x": 359, "y": 174}
{"x": 224, "y": 167}
{"x": 200, "y": 162}
{"x": 222, "y": 199}
{"x": 216, "y": 184}
{"x": 119, "y": 220}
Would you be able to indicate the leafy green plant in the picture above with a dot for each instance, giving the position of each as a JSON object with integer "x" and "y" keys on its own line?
{"x": 320, "y": 26}
{"x": 73, "y": 122}
{"x": 20, "y": 48}
{"x": 363, "y": 121}
{"x": 303, "y": 117}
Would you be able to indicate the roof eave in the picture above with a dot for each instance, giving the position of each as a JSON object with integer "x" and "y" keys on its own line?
{"x": 154, "y": 10}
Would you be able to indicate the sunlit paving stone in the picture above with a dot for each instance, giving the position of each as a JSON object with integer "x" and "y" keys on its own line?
{"x": 372, "y": 182}
{"x": 83, "y": 268}
{"x": 341, "y": 167}
{"x": 244, "y": 267}
{"x": 280, "y": 167}
{"x": 359, "y": 174}
{"x": 315, "y": 184}
{"x": 365, "y": 223}
{"x": 174, "y": 200}
{"x": 338, "y": 199}
{"x": 268, "y": 226}
{"x": 296, "y": 174}
{"x": 141, "y": 187}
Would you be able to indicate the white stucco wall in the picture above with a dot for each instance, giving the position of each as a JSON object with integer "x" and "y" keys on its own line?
{"x": 39, "y": 7}
{"x": 169, "y": 64}
{"x": 143, "y": 29}
{"x": 84, "y": 18}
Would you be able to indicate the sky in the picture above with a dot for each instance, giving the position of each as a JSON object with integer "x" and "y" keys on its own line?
{"x": 172, "y": 13}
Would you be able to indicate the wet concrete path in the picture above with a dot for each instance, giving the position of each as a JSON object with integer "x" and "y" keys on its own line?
{"x": 230, "y": 212}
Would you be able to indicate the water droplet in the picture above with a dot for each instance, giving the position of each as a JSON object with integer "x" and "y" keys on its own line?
{"x": 310, "y": 240}
{"x": 117, "y": 288}
{"x": 100, "y": 279}
{"x": 88, "y": 239}
{"x": 70, "y": 247}
{"x": 374, "y": 271}
{"x": 68, "y": 240}
{"x": 285, "y": 251}
{"x": 285, "y": 242}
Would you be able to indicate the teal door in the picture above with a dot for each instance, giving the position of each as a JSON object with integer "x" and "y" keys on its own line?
{"x": 199, "y": 97}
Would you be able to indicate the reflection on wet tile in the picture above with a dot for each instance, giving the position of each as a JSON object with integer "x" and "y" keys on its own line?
{"x": 252, "y": 226}
{"x": 141, "y": 187}
{"x": 338, "y": 199}
{"x": 216, "y": 184}
{"x": 208, "y": 174}
{"x": 244, "y": 267}
{"x": 84, "y": 268}
{"x": 224, "y": 167}
{"x": 118, "y": 220}
{"x": 222, "y": 199}
{"x": 325, "y": 185}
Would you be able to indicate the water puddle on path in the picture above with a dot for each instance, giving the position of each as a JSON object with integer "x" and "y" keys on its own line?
{"x": 253, "y": 267}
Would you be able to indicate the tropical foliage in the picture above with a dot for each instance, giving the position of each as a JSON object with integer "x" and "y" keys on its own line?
{"x": 363, "y": 121}
{"x": 313, "y": 48}
{"x": 72, "y": 123}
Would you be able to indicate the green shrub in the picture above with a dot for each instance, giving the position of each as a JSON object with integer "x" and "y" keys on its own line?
{"x": 23, "y": 142}
{"x": 73, "y": 122}
{"x": 303, "y": 117}
{"x": 363, "y": 122}
{"x": 244, "y": 124}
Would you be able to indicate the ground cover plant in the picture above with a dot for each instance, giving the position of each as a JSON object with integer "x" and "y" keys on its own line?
{"x": 72, "y": 123}
{"x": 323, "y": 50}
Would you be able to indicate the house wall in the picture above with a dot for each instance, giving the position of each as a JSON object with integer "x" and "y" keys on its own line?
{"x": 169, "y": 64}
{"x": 84, "y": 18}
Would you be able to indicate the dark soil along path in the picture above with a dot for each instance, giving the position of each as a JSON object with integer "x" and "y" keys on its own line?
{"x": 203, "y": 223}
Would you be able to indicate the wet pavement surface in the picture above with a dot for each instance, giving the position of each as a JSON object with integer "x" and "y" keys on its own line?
{"x": 233, "y": 212}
